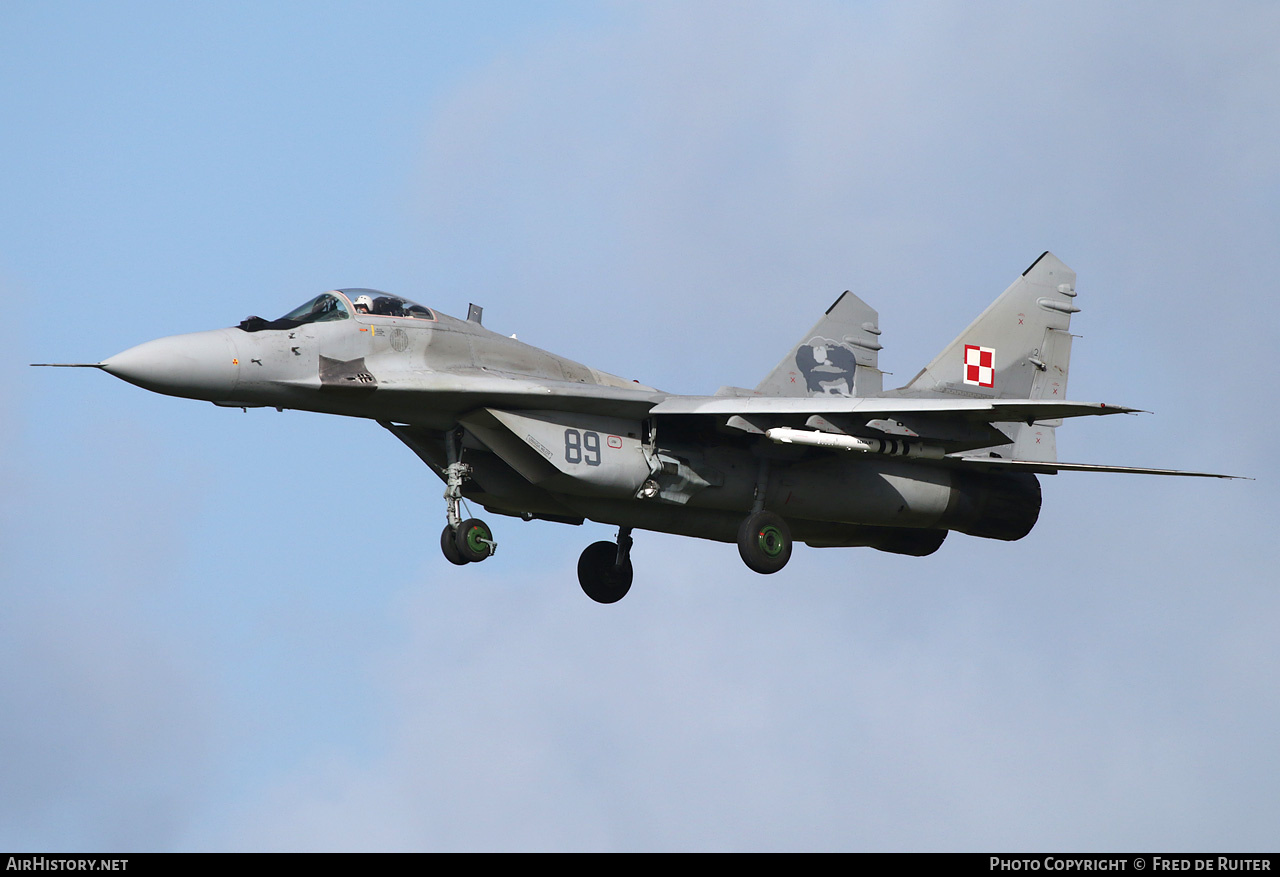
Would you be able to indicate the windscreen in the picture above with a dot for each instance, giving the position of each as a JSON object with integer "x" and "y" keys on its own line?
{"x": 320, "y": 309}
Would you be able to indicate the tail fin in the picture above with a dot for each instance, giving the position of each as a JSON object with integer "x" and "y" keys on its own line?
{"x": 1018, "y": 348}
{"x": 838, "y": 356}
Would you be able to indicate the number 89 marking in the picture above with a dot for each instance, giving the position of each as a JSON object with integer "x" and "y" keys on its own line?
{"x": 578, "y": 446}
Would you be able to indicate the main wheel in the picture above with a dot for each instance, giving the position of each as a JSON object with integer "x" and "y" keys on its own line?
{"x": 449, "y": 545}
{"x": 764, "y": 541}
{"x": 599, "y": 574}
{"x": 473, "y": 539}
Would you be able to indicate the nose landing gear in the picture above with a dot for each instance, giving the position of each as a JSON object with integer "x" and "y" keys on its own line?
{"x": 604, "y": 569}
{"x": 469, "y": 541}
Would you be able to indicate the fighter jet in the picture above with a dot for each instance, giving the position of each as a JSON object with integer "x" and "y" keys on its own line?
{"x": 817, "y": 452}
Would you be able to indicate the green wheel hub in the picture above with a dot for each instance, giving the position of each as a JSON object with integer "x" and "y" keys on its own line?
{"x": 476, "y": 538}
{"x": 771, "y": 541}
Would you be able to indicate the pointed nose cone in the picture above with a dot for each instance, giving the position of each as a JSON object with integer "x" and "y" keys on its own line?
{"x": 202, "y": 365}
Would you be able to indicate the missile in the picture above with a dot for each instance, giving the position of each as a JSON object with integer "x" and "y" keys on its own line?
{"x": 893, "y": 447}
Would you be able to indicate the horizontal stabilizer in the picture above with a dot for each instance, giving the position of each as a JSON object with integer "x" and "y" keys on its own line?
{"x": 1054, "y": 468}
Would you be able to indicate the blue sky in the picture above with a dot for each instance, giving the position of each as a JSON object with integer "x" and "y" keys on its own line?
{"x": 223, "y": 630}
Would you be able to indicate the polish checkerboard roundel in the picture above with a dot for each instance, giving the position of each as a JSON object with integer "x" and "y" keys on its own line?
{"x": 979, "y": 365}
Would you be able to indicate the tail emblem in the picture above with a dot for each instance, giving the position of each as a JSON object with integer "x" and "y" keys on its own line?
{"x": 828, "y": 366}
{"x": 979, "y": 365}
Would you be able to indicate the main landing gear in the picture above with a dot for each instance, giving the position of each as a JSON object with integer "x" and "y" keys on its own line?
{"x": 469, "y": 541}
{"x": 764, "y": 541}
{"x": 604, "y": 569}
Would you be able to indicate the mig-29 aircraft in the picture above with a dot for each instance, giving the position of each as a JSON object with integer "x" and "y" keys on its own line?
{"x": 817, "y": 452}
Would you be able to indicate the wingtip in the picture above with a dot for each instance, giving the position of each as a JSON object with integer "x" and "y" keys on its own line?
{"x": 1119, "y": 409}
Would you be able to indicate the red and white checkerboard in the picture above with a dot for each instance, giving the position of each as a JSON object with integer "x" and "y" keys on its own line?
{"x": 979, "y": 365}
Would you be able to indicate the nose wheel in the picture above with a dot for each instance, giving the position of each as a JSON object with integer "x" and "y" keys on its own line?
{"x": 473, "y": 540}
{"x": 604, "y": 569}
{"x": 469, "y": 542}
{"x": 449, "y": 546}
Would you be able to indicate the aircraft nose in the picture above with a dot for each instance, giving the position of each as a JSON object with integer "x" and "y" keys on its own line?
{"x": 202, "y": 365}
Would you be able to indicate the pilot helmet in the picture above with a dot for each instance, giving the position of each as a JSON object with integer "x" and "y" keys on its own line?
{"x": 365, "y": 302}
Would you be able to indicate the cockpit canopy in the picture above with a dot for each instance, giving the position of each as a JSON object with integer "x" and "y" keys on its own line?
{"x": 382, "y": 304}
{"x": 340, "y": 304}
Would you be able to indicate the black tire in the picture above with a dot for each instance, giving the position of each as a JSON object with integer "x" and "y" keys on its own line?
{"x": 472, "y": 540}
{"x": 599, "y": 575}
{"x": 764, "y": 541}
{"x": 449, "y": 545}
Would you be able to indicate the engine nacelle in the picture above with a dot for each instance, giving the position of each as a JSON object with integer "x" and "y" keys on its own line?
{"x": 993, "y": 505}
{"x": 876, "y": 492}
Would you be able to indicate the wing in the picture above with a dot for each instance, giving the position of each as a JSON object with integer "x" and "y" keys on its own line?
{"x": 946, "y": 430}
{"x": 950, "y": 430}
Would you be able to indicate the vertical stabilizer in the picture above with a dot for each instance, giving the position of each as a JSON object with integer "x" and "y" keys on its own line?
{"x": 839, "y": 356}
{"x": 1018, "y": 348}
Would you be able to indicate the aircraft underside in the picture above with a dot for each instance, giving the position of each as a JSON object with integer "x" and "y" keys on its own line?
{"x": 890, "y": 505}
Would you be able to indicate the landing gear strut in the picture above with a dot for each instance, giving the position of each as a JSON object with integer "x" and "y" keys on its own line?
{"x": 469, "y": 541}
{"x": 604, "y": 569}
